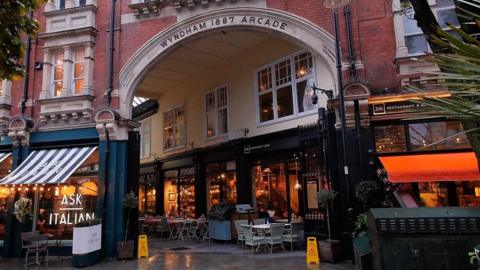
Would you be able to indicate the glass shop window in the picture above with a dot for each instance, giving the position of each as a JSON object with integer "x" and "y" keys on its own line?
{"x": 61, "y": 206}
{"x": 6, "y": 193}
{"x": 468, "y": 193}
{"x": 433, "y": 194}
{"x": 390, "y": 138}
{"x": 221, "y": 183}
{"x": 424, "y": 134}
{"x": 147, "y": 195}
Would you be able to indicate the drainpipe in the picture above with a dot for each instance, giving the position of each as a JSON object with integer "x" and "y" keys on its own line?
{"x": 351, "y": 51}
{"x": 110, "y": 54}
{"x": 105, "y": 180}
{"x": 27, "y": 69}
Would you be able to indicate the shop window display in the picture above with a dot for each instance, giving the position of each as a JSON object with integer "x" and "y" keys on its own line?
{"x": 5, "y": 194}
{"x": 222, "y": 183}
{"x": 179, "y": 191}
{"x": 468, "y": 193}
{"x": 433, "y": 194}
{"x": 390, "y": 138}
{"x": 61, "y": 206}
{"x": 270, "y": 188}
{"x": 147, "y": 195}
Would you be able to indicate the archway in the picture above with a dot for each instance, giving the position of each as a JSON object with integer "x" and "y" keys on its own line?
{"x": 286, "y": 25}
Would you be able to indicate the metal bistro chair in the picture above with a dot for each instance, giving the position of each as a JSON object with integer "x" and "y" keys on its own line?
{"x": 162, "y": 227}
{"x": 238, "y": 226}
{"x": 250, "y": 240}
{"x": 292, "y": 235}
{"x": 275, "y": 236}
{"x": 186, "y": 230}
{"x": 36, "y": 244}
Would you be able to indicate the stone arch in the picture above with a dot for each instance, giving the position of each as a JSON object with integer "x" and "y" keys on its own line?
{"x": 290, "y": 26}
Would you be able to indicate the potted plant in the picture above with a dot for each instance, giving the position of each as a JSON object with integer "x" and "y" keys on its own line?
{"x": 87, "y": 243}
{"x": 329, "y": 249}
{"x": 125, "y": 249}
{"x": 219, "y": 221}
{"x": 475, "y": 256}
{"x": 361, "y": 242}
{"x": 23, "y": 211}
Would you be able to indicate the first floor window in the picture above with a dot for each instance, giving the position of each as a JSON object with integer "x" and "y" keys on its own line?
{"x": 174, "y": 128}
{"x": 78, "y": 70}
{"x": 216, "y": 104}
{"x": 57, "y": 73}
{"x": 284, "y": 87}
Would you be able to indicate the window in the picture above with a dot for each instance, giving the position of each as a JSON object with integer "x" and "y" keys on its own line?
{"x": 216, "y": 106}
{"x": 413, "y": 35}
{"x": 2, "y": 82}
{"x": 390, "y": 138}
{"x": 60, "y": 4}
{"x": 145, "y": 138}
{"x": 57, "y": 73}
{"x": 174, "y": 128}
{"x": 78, "y": 70}
{"x": 283, "y": 87}
{"x": 424, "y": 134}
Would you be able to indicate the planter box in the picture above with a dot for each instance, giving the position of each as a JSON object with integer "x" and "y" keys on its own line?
{"x": 330, "y": 251}
{"x": 220, "y": 230}
{"x": 87, "y": 245}
{"x": 125, "y": 250}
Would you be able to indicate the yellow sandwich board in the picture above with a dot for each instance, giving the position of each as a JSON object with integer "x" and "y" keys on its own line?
{"x": 312, "y": 251}
{"x": 142, "y": 246}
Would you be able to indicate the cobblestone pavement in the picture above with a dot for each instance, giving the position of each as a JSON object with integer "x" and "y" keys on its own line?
{"x": 199, "y": 255}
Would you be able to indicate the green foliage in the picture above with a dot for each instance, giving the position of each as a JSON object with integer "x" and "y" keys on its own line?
{"x": 475, "y": 256}
{"x": 15, "y": 25}
{"x": 222, "y": 211}
{"x": 88, "y": 223}
{"x": 22, "y": 209}
{"x": 370, "y": 193}
{"x": 325, "y": 197}
{"x": 130, "y": 201}
{"x": 360, "y": 225}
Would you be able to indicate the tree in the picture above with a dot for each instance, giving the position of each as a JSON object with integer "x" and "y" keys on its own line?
{"x": 459, "y": 63}
{"x": 16, "y": 22}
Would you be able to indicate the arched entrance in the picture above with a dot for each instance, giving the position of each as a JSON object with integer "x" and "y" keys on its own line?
{"x": 289, "y": 26}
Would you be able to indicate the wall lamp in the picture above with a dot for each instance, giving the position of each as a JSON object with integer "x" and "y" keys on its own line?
{"x": 327, "y": 92}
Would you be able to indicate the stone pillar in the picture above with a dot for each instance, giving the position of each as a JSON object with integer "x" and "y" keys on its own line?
{"x": 112, "y": 180}
{"x": 47, "y": 75}
{"x": 89, "y": 63}
{"x": 67, "y": 71}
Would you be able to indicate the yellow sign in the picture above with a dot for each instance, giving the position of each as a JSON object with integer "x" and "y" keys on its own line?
{"x": 142, "y": 246}
{"x": 312, "y": 251}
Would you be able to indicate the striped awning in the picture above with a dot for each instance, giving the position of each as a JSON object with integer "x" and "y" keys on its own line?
{"x": 48, "y": 166}
{"x": 4, "y": 155}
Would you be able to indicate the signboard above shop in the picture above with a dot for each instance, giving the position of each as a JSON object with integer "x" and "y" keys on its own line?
{"x": 395, "y": 108}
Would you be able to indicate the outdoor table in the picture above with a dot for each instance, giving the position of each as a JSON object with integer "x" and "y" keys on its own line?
{"x": 38, "y": 242}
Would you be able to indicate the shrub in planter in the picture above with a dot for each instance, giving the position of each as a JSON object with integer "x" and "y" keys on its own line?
{"x": 329, "y": 250}
{"x": 23, "y": 209}
{"x": 125, "y": 249}
{"x": 219, "y": 221}
{"x": 87, "y": 243}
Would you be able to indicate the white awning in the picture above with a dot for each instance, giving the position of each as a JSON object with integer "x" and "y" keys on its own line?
{"x": 49, "y": 166}
{"x": 4, "y": 155}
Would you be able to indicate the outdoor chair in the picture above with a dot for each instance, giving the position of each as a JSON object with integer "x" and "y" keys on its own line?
{"x": 291, "y": 235}
{"x": 275, "y": 236}
{"x": 201, "y": 229}
{"x": 186, "y": 230}
{"x": 253, "y": 241}
{"x": 238, "y": 226}
{"x": 35, "y": 244}
{"x": 162, "y": 227}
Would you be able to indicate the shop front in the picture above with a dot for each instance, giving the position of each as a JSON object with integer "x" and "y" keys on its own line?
{"x": 429, "y": 161}
{"x": 6, "y": 195}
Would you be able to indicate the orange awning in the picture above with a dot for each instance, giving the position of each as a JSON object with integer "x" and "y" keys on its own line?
{"x": 431, "y": 167}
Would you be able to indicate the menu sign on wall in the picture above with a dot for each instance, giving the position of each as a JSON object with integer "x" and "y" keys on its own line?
{"x": 395, "y": 107}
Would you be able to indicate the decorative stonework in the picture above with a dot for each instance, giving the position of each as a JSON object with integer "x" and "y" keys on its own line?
{"x": 307, "y": 34}
{"x": 110, "y": 125}
{"x": 67, "y": 111}
{"x": 19, "y": 130}
{"x": 149, "y": 8}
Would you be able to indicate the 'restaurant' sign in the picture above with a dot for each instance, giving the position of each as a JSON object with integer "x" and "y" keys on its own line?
{"x": 395, "y": 107}
{"x": 71, "y": 211}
